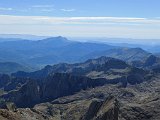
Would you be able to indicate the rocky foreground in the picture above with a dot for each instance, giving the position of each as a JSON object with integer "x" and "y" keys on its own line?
{"x": 108, "y": 102}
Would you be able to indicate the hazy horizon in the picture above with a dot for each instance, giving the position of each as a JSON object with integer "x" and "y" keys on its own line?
{"x": 150, "y": 42}
{"x": 106, "y": 18}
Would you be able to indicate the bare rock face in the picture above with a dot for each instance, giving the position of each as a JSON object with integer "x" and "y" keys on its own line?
{"x": 27, "y": 96}
{"x": 93, "y": 109}
{"x": 54, "y": 86}
{"x": 11, "y": 107}
{"x": 8, "y": 115}
{"x": 103, "y": 110}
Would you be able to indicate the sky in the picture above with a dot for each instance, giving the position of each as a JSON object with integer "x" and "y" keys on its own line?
{"x": 82, "y": 18}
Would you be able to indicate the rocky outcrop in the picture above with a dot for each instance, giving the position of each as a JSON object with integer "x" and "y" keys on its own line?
{"x": 103, "y": 110}
{"x": 8, "y": 115}
{"x": 26, "y": 96}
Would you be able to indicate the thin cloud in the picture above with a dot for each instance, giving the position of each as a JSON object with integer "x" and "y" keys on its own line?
{"x": 9, "y": 19}
{"x": 68, "y": 10}
{"x": 5, "y": 9}
{"x": 47, "y": 10}
{"x": 43, "y": 6}
{"x": 81, "y": 26}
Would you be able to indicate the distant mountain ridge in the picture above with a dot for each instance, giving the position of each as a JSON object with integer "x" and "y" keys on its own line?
{"x": 22, "y": 36}
{"x": 54, "y": 50}
{"x": 10, "y": 67}
{"x": 126, "y": 54}
{"x": 47, "y": 51}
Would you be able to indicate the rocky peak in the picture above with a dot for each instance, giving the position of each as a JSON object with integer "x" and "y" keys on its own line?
{"x": 103, "y": 110}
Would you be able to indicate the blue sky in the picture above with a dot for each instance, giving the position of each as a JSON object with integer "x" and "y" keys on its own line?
{"x": 114, "y": 8}
{"x": 81, "y": 18}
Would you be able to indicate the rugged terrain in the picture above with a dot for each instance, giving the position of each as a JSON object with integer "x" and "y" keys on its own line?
{"x": 135, "y": 102}
{"x": 98, "y": 89}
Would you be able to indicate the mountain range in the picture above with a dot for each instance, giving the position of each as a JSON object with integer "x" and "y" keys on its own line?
{"x": 37, "y": 54}
{"x": 58, "y": 79}
{"x": 47, "y": 51}
{"x": 65, "y": 79}
{"x": 101, "y": 88}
